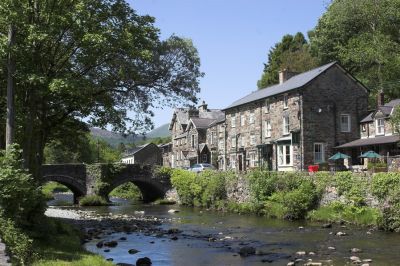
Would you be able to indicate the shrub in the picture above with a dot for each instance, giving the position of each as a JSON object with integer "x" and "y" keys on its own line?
{"x": 20, "y": 196}
{"x": 262, "y": 184}
{"x": 383, "y": 183}
{"x": 343, "y": 182}
{"x": 92, "y": 200}
{"x": 184, "y": 182}
{"x": 18, "y": 243}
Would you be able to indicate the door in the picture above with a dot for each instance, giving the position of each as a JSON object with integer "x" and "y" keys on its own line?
{"x": 240, "y": 161}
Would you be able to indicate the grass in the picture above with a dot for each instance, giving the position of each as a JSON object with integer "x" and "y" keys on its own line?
{"x": 93, "y": 200}
{"x": 164, "y": 202}
{"x": 336, "y": 212}
{"x": 64, "y": 249}
{"x": 51, "y": 187}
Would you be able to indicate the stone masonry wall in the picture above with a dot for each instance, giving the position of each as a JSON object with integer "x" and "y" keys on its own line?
{"x": 331, "y": 94}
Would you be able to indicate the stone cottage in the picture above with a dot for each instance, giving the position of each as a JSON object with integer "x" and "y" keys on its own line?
{"x": 377, "y": 132}
{"x": 296, "y": 123}
{"x": 189, "y": 135}
{"x": 149, "y": 153}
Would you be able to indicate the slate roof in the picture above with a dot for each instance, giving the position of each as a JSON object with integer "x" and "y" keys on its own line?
{"x": 385, "y": 109}
{"x": 294, "y": 82}
{"x": 371, "y": 141}
{"x": 202, "y": 122}
{"x": 132, "y": 151}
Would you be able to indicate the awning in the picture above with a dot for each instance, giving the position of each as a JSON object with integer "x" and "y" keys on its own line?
{"x": 371, "y": 141}
{"x": 284, "y": 139}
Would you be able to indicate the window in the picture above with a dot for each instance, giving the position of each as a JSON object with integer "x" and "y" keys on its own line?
{"x": 345, "y": 123}
{"x": 267, "y": 106}
{"x": 221, "y": 144}
{"x": 284, "y": 155}
{"x": 233, "y": 161}
{"x": 319, "y": 154}
{"x": 192, "y": 141}
{"x": 252, "y": 139}
{"x": 233, "y": 120}
{"x": 268, "y": 128}
{"x": 253, "y": 161}
{"x": 233, "y": 142}
{"x": 363, "y": 127}
{"x": 286, "y": 128}
{"x": 380, "y": 126}
{"x": 285, "y": 101}
{"x": 251, "y": 119}
{"x": 242, "y": 141}
{"x": 204, "y": 158}
{"x": 213, "y": 137}
{"x": 242, "y": 119}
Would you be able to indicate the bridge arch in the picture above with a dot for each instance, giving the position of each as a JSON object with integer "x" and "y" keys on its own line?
{"x": 77, "y": 188}
{"x": 150, "y": 189}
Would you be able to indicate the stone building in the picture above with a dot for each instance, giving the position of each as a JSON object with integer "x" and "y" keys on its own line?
{"x": 377, "y": 132}
{"x": 297, "y": 122}
{"x": 146, "y": 154}
{"x": 166, "y": 153}
{"x": 189, "y": 135}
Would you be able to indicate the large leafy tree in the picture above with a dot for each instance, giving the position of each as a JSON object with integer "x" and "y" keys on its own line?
{"x": 292, "y": 53}
{"x": 93, "y": 61}
{"x": 364, "y": 37}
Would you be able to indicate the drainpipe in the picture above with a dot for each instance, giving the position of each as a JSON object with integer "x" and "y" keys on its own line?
{"x": 301, "y": 133}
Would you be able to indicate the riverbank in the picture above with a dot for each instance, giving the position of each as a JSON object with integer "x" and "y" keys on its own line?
{"x": 343, "y": 196}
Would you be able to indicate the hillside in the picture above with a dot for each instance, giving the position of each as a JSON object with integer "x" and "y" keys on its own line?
{"x": 114, "y": 139}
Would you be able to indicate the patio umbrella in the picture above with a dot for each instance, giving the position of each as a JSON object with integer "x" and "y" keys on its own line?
{"x": 370, "y": 154}
{"x": 338, "y": 156}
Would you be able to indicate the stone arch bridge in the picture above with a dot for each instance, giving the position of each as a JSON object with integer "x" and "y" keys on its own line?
{"x": 101, "y": 179}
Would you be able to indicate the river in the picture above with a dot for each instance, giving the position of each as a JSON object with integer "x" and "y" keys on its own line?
{"x": 215, "y": 238}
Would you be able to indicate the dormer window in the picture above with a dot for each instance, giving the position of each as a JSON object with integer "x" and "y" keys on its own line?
{"x": 380, "y": 126}
{"x": 285, "y": 101}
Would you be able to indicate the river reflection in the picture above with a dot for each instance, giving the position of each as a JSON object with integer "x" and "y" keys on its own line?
{"x": 278, "y": 240}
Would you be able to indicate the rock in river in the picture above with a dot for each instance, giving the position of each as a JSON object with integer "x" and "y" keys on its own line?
{"x": 247, "y": 251}
{"x": 133, "y": 251}
{"x": 355, "y": 250}
{"x": 111, "y": 244}
{"x": 143, "y": 262}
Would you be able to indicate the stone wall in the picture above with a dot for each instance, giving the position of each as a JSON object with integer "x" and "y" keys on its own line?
{"x": 238, "y": 189}
{"x": 393, "y": 164}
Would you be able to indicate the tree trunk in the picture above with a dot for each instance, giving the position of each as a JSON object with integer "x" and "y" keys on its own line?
{"x": 10, "y": 130}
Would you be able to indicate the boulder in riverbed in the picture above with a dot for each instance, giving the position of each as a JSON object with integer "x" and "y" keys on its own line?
{"x": 111, "y": 244}
{"x": 355, "y": 250}
{"x": 133, "y": 251}
{"x": 143, "y": 262}
{"x": 247, "y": 251}
{"x": 100, "y": 244}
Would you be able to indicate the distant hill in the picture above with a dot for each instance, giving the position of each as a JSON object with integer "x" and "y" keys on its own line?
{"x": 114, "y": 139}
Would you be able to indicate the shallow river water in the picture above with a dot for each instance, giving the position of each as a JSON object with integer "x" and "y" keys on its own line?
{"x": 276, "y": 240}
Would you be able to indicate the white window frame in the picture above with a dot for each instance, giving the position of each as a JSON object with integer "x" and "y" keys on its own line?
{"x": 268, "y": 129}
{"x": 253, "y": 140}
{"x": 319, "y": 157}
{"x": 233, "y": 161}
{"x": 286, "y": 125}
{"x": 233, "y": 142}
{"x": 267, "y": 106}
{"x": 253, "y": 159}
{"x": 380, "y": 128}
{"x": 242, "y": 120}
{"x": 282, "y": 155}
{"x": 348, "y": 129}
{"x": 251, "y": 118}
{"x": 233, "y": 121}
{"x": 285, "y": 101}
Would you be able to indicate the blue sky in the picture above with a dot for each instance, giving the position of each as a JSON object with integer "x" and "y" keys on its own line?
{"x": 233, "y": 38}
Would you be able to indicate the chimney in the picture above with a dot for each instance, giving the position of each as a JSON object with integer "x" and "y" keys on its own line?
{"x": 203, "y": 107}
{"x": 380, "y": 98}
{"x": 285, "y": 74}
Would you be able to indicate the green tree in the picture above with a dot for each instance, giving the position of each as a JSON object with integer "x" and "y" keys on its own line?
{"x": 292, "y": 53}
{"x": 96, "y": 59}
{"x": 364, "y": 37}
{"x": 395, "y": 119}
